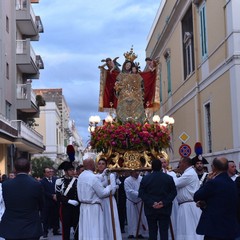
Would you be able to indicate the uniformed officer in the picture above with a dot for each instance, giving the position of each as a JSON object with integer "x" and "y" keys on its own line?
{"x": 66, "y": 191}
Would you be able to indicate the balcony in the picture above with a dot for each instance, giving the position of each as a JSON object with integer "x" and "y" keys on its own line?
{"x": 28, "y": 24}
{"x": 67, "y": 128}
{"x": 27, "y": 61}
{"x": 28, "y": 139}
{"x": 26, "y": 99}
{"x": 7, "y": 132}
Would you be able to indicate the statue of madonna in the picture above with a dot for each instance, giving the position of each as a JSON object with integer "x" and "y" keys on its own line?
{"x": 129, "y": 89}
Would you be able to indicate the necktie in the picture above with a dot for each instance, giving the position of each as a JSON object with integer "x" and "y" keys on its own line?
{"x": 50, "y": 180}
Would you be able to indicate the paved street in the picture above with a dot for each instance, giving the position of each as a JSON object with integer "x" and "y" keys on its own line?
{"x": 51, "y": 237}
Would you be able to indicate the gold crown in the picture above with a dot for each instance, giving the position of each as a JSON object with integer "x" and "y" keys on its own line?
{"x": 130, "y": 56}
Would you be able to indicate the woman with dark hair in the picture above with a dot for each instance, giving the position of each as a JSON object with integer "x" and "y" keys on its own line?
{"x": 109, "y": 178}
{"x": 130, "y": 94}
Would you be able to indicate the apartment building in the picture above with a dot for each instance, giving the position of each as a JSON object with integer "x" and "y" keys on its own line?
{"x": 56, "y": 127}
{"x": 198, "y": 46}
{"x": 19, "y": 66}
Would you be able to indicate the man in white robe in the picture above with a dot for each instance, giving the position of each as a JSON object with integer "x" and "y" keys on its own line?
{"x": 188, "y": 213}
{"x": 134, "y": 206}
{"x": 90, "y": 192}
{"x": 2, "y": 205}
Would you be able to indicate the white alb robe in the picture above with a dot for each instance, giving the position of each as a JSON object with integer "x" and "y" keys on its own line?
{"x": 90, "y": 191}
{"x": 174, "y": 213}
{"x": 188, "y": 212}
{"x": 2, "y": 206}
{"x": 133, "y": 205}
{"x": 108, "y": 230}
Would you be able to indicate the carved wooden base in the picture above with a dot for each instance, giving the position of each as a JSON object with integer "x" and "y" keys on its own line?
{"x": 120, "y": 159}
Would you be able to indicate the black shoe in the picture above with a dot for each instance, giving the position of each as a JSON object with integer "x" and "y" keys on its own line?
{"x": 123, "y": 231}
{"x": 140, "y": 237}
{"x": 57, "y": 233}
{"x": 130, "y": 236}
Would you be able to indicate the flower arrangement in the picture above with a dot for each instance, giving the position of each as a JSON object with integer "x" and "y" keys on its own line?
{"x": 130, "y": 136}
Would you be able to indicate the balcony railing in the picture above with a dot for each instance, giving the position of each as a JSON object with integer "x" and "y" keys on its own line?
{"x": 28, "y": 133}
{"x": 28, "y": 23}
{"x": 6, "y": 127}
{"x": 27, "y": 60}
{"x": 23, "y": 5}
{"x": 24, "y": 91}
{"x": 39, "y": 24}
{"x": 26, "y": 98}
{"x": 23, "y": 47}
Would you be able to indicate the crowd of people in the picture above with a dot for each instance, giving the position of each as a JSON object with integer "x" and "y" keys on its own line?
{"x": 96, "y": 203}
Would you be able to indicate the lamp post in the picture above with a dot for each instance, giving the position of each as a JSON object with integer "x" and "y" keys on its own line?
{"x": 166, "y": 121}
{"x": 109, "y": 119}
{"x": 93, "y": 122}
{"x": 156, "y": 119}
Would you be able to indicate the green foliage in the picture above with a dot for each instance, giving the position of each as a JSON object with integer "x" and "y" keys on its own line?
{"x": 38, "y": 165}
{"x": 40, "y": 100}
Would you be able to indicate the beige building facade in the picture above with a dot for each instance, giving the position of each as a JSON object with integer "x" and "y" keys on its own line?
{"x": 19, "y": 65}
{"x": 56, "y": 127}
{"x": 198, "y": 46}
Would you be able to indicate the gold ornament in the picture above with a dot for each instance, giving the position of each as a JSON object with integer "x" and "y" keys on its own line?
{"x": 130, "y": 56}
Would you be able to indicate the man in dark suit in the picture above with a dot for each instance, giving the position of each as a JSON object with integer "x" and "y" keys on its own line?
{"x": 66, "y": 191}
{"x": 157, "y": 190}
{"x": 50, "y": 213}
{"x": 23, "y": 198}
{"x": 121, "y": 202}
{"x": 218, "y": 201}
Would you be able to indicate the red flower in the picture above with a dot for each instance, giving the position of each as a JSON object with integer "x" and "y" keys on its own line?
{"x": 130, "y": 136}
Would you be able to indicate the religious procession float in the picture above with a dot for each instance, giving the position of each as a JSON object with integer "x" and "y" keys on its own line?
{"x": 128, "y": 138}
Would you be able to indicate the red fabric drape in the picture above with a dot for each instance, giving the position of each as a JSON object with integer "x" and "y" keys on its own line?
{"x": 149, "y": 88}
{"x": 109, "y": 90}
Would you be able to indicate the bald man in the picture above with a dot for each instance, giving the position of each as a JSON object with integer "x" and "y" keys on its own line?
{"x": 90, "y": 193}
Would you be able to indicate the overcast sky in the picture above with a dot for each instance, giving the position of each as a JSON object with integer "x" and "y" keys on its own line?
{"x": 77, "y": 35}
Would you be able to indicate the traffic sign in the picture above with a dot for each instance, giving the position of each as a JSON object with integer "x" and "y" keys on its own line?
{"x": 185, "y": 150}
{"x": 184, "y": 137}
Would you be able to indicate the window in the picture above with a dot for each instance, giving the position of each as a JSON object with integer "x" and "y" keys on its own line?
{"x": 203, "y": 30}
{"x": 8, "y": 110}
{"x": 161, "y": 90}
{"x": 7, "y": 24}
{"x": 208, "y": 127}
{"x": 169, "y": 76}
{"x": 7, "y": 70}
{"x": 189, "y": 61}
{"x": 168, "y": 63}
{"x": 188, "y": 43}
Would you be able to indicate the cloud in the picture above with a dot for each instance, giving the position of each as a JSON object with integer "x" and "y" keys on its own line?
{"x": 77, "y": 35}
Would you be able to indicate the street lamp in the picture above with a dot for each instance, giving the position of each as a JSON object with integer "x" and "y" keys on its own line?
{"x": 109, "y": 119}
{"x": 166, "y": 121}
{"x": 93, "y": 122}
{"x": 156, "y": 119}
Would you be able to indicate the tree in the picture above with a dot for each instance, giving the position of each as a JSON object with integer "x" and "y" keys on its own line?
{"x": 38, "y": 165}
